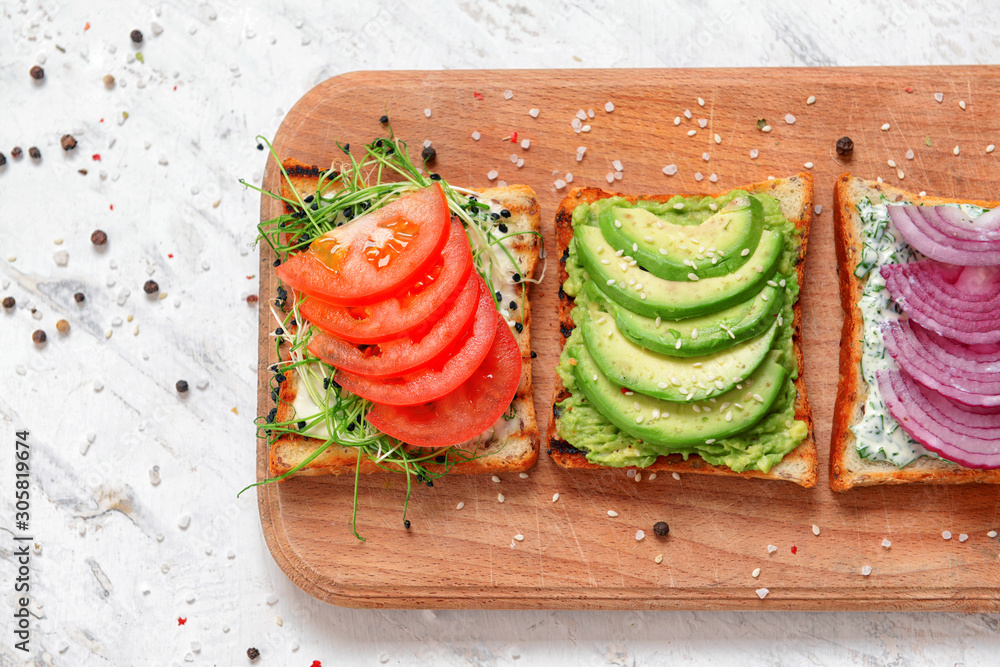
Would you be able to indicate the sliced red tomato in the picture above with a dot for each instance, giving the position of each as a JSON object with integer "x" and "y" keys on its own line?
{"x": 412, "y": 313}
{"x": 465, "y": 412}
{"x": 401, "y": 355}
{"x": 443, "y": 374}
{"x": 374, "y": 256}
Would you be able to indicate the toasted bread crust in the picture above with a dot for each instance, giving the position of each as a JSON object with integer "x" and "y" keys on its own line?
{"x": 801, "y": 465}
{"x": 847, "y": 468}
{"x": 519, "y": 449}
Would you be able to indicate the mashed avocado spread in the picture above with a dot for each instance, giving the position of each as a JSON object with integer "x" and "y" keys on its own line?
{"x": 759, "y": 447}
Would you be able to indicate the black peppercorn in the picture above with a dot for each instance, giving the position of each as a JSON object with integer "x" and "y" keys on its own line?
{"x": 37, "y": 73}
{"x": 428, "y": 154}
{"x": 516, "y": 277}
{"x": 150, "y": 287}
{"x": 253, "y": 653}
{"x": 8, "y": 302}
{"x": 252, "y": 298}
{"x": 35, "y": 153}
{"x": 3, "y": 159}
{"x": 68, "y": 142}
{"x": 15, "y": 152}
{"x": 383, "y": 119}
{"x": 845, "y": 146}
{"x": 98, "y": 237}
{"x": 136, "y": 36}
{"x": 79, "y": 297}
{"x": 39, "y": 337}
{"x": 661, "y": 528}
{"x": 181, "y": 386}
{"x": 406, "y": 524}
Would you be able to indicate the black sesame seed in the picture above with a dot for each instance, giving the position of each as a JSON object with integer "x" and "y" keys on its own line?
{"x": 274, "y": 395}
{"x": 383, "y": 119}
{"x": 556, "y": 411}
{"x": 282, "y": 292}
{"x": 429, "y": 154}
{"x": 562, "y": 293}
{"x": 308, "y": 199}
{"x": 181, "y": 386}
{"x": 565, "y": 256}
{"x": 503, "y": 228}
{"x": 315, "y": 206}
{"x": 276, "y": 262}
{"x": 271, "y": 415}
{"x": 279, "y": 331}
{"x": 435, "y": 177}
{"x": 430, "y": 483}
{"x": 504, "y": 213}
{"x": 513, "y": 305}
{"x": 565, "y": 331}
{"x": 406, "y": 524}
{"x": 350, "y": 427}
{"x": 473, "y": 198}
{"x": 518, "y": 327}
{"x": 346, "y": 148}
{"x": 280, "y": 378}
{"x": 349, "y": 213}
{"x": 79, "y": 297}
{"x": 150, "y": 287}
{"x": 365, "y": 205}
{"x": 494, "y": 216}
{"x": 661, "y": 528}
{"x": 534, "y": 354}
{"x": 301, "y": 425}
{"x": 305, "y": 238}
{"x": 440, "y": 459}
{"x": 136, "y": 36}
{"x": 260, "y": 147}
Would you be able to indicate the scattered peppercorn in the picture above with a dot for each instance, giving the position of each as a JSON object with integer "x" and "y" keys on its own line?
{"x": 68, "y": 142}
{"x": 383, "y": 119}
{"x": 252, "y": 298}
{"x": 845, "y": 146}
{"x": 661, "y": 528}
{"x": 8, "y": 302}
{"x": 3, "y": 159}
{"x": 62, "y": 326}
{"x": 39, "y": 336}
{"x": 16, "y": 152}
{"x": 109, "y": 81}
{"x": 253, "y": 653}
{"x": 37, "y": 73}
{"x": 136, "y": 36}
{"x": 80, "y": 298}
{"x": 406, "y": 524}
{"x": 181, "y": 386}
{"x": 516, "y": 277}
{"x": 34, "y": 153}
{"x": 98, "y": 237}
{"x": 150, "y": 287}
{"x": 429, "y": 154}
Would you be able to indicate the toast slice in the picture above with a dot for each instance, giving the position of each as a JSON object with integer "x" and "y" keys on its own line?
{"x": 801, "y": 465}
{"x": 847, "y": 468}
{"x": 513, "y": 450}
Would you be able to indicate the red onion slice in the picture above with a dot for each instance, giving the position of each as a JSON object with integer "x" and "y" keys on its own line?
{"x": 969, "y": 386}
{"x": 987, "y": 225}
{"x": 943, "y": 431}
{"x": 921, "y": 233}
{"x": 955, "y": 354}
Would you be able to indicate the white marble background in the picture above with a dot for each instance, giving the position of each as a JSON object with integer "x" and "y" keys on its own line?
{"x": 116, "y": 566}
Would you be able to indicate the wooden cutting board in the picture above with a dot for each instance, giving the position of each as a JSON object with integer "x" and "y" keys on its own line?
{"x": 573, "y": 554}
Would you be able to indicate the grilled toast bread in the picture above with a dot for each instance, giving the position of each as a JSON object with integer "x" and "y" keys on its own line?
{"x": 515, "y": 449}
{"x": 795, "y": 195}
{"x": 847, "y": 468}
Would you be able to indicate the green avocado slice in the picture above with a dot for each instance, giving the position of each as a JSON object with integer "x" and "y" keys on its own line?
{"x": 662, "y": 424}
{"x": 671, "y": 251}
{"x": 643, "y": 293}
{"x": 699, "y": 335}
{"x": 680, "y": 379}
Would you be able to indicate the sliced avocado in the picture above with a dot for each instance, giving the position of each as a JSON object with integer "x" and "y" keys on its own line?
{"x": 671, "y": 251}
{"x": 700, "y": 335}
{"x": 681, "y": 379}
{"x": 662, "y": 424}
{"x": 643, "y": 293}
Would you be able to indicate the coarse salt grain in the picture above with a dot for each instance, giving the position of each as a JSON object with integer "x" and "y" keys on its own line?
{"x": 610, "y": 177}
{"x": 703, "y": 123}
{"x": 713, "y": 178}
{"x": 817, "y": 209}
{"x": 771, "y": 548}
{"x": 939, "y": 96}
{"x": 609, "y": 107}
{"x": 762, "y": 593}
{"x": 963, "y": 537}
{"x": 946, "y": 534}
{"x": 909, "y": 154}
{"x": 670, "y": 169}
{"x": 706, "y": 157}
{"x": 639, "y": 535}
{"x": 508, "y": 94}
{"x": 866, "y": 570}
{"x": 687, "y": 114}
{"x": 790, "y": 119}
{"x": 476, "y": 136}
{"x": 533, "y": 113}
{"x": 492, "y": 174}
{"x": 559, "y": 183}
{"x": 886, "y": 543}
{"x": 698, "y": 176}
{"x": 754, "y": 153}
{"x": 612, "y": 513}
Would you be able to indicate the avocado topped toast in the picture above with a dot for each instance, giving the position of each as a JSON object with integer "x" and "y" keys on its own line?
{"x": 681, "y": 347}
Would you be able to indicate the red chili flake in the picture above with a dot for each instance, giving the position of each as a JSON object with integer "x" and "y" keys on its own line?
{"x": 316, "y": 663}
{"x": 909, "y": 89}
{"x": 170, "y": 255}
{"x": 175, "y": 87}
{"x": 101, "y": 121}
{"x": 251, "y": 277}
{"x": 478, "y": 96}
{"x": 112, "y": 207}
{"x": 513, "y": 137}
{"x": 86, "y": 26}
{"x": 180, "y": 621}
{"x": 795, "y": 549}
{"x": 96, "y": 157}
{"x": 623, "y": 389}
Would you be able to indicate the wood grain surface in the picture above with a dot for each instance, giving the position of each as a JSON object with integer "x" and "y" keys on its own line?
{"x": 573, "y": 554}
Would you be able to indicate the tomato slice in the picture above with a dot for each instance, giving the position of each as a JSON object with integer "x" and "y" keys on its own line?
{"x": 374, "y": 256}
{"x": 443, "y": 374}
{"x": 401, "y": 355}
{"x": 412, "y": 313}
{"x": 465, "y": 412}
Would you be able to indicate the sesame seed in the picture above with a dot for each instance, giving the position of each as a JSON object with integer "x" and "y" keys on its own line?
{"x": 710, "y": 441}
{"x": 695, "y": 407}
{"x": 990, "y": 148}
{"x": 701, "y": 102}
{"x": 611, "y": 281}
{"x": 992, "y": 533}
{"x": 619, "y": 253}
{"x": 866, "y": 570}
{"x": 900, "y": 175}
{"x": 500, "y": 498}
{"x": 523, "y": 475}
{"x": 585, "y": 128}
{"x": 760, "y": 269}
{"x": 652, "y": 476}
{"x": 459, "y": 506}
{"x": 790, "y": 119}
{"x": 612, "y": 513}
{"x": 496, "y": 479}
{"x": 658, "y": 559}
{"x": 763, "y": 297}
{"x": 676, "y": 476}
{"x": 658, "y": 321}
{"x": 745, "y": 252}
{"x": 755, "y": 573}
{"x": 691, "y": 133}
{"x": 885, "y": 127}
{"x": 635, "y": 247}
{"x": 762, "y": 593}
{"x": 815, "y": 529}
{"x": 808, "y": 165}
{"x": 729, "y": 416}
{"x": 955, "y": 150}
{"x": 555, "y": 497}
{"x": 656, "y": 415}
{"x": 766, "y": 128}
{"x": 758, "y": 398}
{"x": 595, "y": 377}
{"x": 811, "y": 101}
{"x": 642, "y": 295}
{"x": 679, "y": 206}
{"x": 677, "y": 346}
{"x": 961, "y": 103}
{"x": 946, "y": 534}
{"x": 677, "y": 120}
{"x": 692, "y": 276}
{"x": 886, "y": 543}
{"x": 647, "y": 239}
